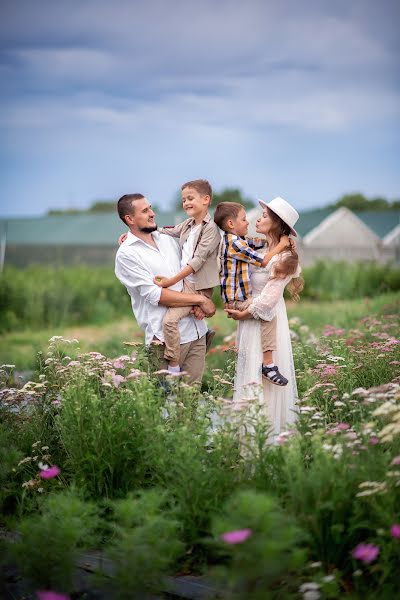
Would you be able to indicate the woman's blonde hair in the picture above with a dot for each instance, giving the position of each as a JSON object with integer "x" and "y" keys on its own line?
{"x": 288, "y": 264}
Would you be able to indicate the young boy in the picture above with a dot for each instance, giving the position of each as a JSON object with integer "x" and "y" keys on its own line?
{"x": 237, "y": 252}
{"x": 199, "y": 239}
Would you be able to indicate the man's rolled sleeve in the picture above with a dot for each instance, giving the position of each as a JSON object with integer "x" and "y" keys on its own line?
{"x": 136, "y": 278}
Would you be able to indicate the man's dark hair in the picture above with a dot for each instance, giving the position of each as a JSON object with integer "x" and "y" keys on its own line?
{"x": 125, "y": 205}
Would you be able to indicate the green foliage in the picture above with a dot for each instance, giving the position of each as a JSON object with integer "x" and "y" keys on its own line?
{"x": 233, "y": 195}
{"x": 45, "y": 296}
{"x": 329, "y": 280}
{"x": 50, "y": 541}
{"x": 330, "y": 483}
{"x": 40, "y": 297}
{"x": 145, "y": 545}
{"x": 105, "y": 433}
{"x": 262, "y": 566}
{"x": 358, "y": 202}
{"x": 9, "y": 457}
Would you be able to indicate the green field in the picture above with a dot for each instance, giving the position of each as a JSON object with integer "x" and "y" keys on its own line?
{"x": 22, "y": 347}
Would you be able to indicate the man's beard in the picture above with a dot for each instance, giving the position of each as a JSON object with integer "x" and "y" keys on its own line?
{"x": 148, "y": 229}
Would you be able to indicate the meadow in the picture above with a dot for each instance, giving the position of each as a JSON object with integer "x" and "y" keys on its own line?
{"x": 95, "y": 454}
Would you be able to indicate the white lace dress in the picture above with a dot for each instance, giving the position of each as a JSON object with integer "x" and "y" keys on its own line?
{"x": 279, "y": 403}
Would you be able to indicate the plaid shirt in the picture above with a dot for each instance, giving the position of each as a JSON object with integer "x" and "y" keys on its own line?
{"x": 237, "y": 253}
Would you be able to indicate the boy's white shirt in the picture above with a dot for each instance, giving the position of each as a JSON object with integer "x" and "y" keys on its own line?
{"x": 136, "y": 265}
{"x": 188, "y": 249}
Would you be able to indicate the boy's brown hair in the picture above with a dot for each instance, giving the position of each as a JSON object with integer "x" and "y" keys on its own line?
{"x": 201, "y": 186}
{"x": 225, "y": 211}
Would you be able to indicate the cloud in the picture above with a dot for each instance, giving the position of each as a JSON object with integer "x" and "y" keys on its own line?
{"x": 216, "y": 84}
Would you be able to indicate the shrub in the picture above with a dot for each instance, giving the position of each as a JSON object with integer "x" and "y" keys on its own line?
{"x": 50, "y": 541}
{"x": 272, "y": 551}
{"x": 145, "y": 545}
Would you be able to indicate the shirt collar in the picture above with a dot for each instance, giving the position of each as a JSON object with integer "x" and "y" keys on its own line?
{"x": 132, "y": 239}
{"x": 206, "y": 219}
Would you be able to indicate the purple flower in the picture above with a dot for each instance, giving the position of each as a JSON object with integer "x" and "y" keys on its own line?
{"x": 367, "y": 553}
{"x": 49, "y": 473}
{"x": 373, "y": 440}
{"x": 117, "y": 379}
{"x": 47, "y": 595}
{"x": 343, "y": 426}
{"x": 236, "y": 537}
{"x": 395, "y": 530}
{"x": 396, "y": 460}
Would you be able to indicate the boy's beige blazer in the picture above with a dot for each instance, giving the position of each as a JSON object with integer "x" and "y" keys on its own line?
{"x": 206, "y": 244}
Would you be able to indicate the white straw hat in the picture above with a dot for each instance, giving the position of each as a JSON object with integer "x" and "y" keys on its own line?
{"x": 284, "y": 210}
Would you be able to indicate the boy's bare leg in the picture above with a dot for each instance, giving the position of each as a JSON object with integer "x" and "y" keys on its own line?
{"x": 268, "y": 342}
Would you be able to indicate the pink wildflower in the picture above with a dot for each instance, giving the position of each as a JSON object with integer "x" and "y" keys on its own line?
{"x": 74, "y": 363}
{"x": 117, "y": 379}
{"x": 343, "y": 426}
{"x": 373, "y": 440}
{"x": 396, "y": 460}
{"x": 367, "y": 553}
{"x": 395, "y": 530}
{"x": 236, "y": 537}
{"x": 47, "y": 595}
{"x": 49, "y": 473}
{"x": 331, "y": 330}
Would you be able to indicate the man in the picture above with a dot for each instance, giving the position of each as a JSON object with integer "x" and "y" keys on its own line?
{"x": 140, "y": 258}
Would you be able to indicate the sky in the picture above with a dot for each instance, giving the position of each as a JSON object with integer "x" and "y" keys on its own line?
{"x": 299, "y": 99}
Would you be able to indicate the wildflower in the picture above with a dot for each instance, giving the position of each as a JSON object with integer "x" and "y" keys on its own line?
{"x": 309, "y": 585}
{"x": 48, "y": 595}
{"x": 316, "y": 565}
{"x": 311, "y": 595}
{"x": 373, "y": 440}
{"x": 372, "y": 487}
{"x": 367, "y": 553}
{"x": 74, "y": 363}
{"x": 236, "y": 537}
{"x": 396, "y": 460}
{"x": 50, "y": 472}
{"x": 284, "y": 436}
{"x": 117, "y": 379}
{"x": 328, "y": 578}
{"x": 343, "y": 426}
{"x": 395, "y": 531}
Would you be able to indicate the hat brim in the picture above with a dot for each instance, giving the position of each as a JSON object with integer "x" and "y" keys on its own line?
{"x": 265, "y": 205}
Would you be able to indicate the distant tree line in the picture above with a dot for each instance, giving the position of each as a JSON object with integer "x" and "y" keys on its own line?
{"x": 355, "y": 201}
{"x": 358, "y": 202}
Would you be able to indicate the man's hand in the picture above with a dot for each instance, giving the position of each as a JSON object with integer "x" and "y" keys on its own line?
{"x": 207, "y": 306}
{"x": 164, "y": 282}
{"x": 238, "y": 315}
{"x": 122, "y": 238}
{"x": 198, "y": 313}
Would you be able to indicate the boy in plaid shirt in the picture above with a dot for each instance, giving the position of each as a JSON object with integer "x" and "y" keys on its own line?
{"x": 237, "y": 253}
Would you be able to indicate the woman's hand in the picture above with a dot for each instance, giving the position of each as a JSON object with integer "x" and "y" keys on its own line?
{"x": 164, "y": 282}
{"x": 122, "y": 238}
{"x": 238, "y": 315}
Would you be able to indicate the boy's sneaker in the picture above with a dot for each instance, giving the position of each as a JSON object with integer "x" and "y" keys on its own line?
{"x": 273, "y": 375}
{"x": 209, "y": 338}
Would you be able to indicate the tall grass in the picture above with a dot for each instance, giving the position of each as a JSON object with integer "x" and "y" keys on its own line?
{"x": 329, "y": 280}
{"x": 40, "y": 297}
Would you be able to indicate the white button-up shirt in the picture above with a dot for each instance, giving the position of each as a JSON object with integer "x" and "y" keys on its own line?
{"x": 136, "y": 265}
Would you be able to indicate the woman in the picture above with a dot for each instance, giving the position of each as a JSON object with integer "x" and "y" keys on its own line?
{"x": 268, "y": 284}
